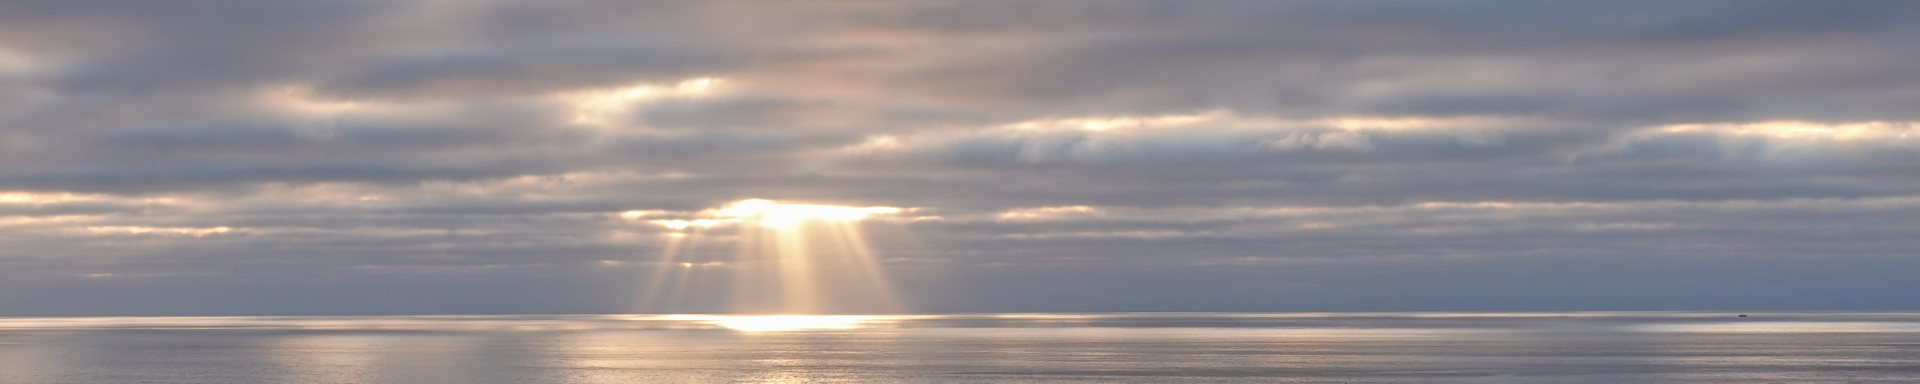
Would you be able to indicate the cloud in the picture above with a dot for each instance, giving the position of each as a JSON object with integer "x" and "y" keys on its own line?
{"x": 1046, "y": 148}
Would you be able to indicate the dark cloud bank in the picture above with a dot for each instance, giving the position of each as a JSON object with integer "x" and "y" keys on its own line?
{"x": 340, "y": 157}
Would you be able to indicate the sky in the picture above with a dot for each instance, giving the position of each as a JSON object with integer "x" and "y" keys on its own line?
{"x": 216, "y": 157}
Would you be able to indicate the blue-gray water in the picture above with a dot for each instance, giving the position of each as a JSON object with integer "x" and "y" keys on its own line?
{"x": 1605, "y": 347}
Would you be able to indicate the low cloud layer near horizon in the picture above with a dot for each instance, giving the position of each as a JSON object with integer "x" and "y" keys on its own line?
{"x": 422, "y": 157}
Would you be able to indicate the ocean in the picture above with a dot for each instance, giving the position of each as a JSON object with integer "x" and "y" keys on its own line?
{"x": 1562, "y": 347}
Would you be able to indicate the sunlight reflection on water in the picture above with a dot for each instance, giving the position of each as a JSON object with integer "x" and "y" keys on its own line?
{"x": 1028, "y": 348}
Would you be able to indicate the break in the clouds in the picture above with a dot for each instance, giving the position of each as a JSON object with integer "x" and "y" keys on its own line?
{"x": 240, "y": 157}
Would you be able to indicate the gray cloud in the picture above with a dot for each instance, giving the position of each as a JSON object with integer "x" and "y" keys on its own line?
{"x": 220, "y": 157}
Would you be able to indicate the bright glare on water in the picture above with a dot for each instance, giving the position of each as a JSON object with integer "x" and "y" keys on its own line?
{"x": 1612, "y": 347}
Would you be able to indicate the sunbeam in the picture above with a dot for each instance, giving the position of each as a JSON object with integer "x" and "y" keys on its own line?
{"x": 788, "y": 259}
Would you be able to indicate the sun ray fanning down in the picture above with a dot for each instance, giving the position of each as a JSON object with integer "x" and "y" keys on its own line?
{"x": 788, "y": 259}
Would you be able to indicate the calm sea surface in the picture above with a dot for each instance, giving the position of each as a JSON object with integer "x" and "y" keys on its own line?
{"x": 1601, "y": 347}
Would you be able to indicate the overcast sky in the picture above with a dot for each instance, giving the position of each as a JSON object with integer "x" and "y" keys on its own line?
{"x": 437, "y": 157}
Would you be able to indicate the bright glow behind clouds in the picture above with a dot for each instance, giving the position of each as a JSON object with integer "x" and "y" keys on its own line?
{"x": 601, "y": 106}
{"x": 784, "y": 215}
